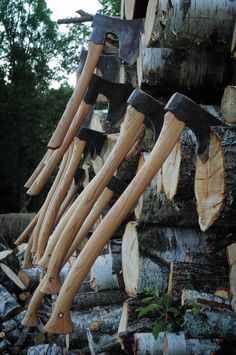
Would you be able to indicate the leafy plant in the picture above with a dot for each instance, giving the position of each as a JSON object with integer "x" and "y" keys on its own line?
{"x": 166, "y": 315}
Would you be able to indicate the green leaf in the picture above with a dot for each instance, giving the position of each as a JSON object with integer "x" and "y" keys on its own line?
{"x": 147, "y": 309}
{"x": 157, "y": 329}
{"x": 165, "y": 299}
{"x": 147, "y": 299}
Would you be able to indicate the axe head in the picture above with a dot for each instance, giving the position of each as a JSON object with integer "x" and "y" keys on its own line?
{"x": 127, "y": 31}
{"x": 152, "y": 109}
{"x": 108, "y": 65}
{"x": 117, "y": 95}
{"x": 94, "y": 141}
{"x": 196, "y": 118}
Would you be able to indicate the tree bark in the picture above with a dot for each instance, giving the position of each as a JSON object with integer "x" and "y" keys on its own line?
{"x": 195, "y": 24}
{"x": 91, "y": 299}
{"x": 215, "y": 181}
{"x": 207, "y": 299}
{"x": 8, "y": 305}
{"x": 145, "y": 343}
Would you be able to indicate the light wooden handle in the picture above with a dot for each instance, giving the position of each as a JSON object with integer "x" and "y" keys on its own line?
{"x": 128, "y": 136}
{"x": 94, "y": 52}
{"x": 60, "y": 321}
{"x": 31, "y": 318}
{"x": 93, "y": 216}
{"x": 27, "y": 231}
{"x": 38, "y": 169}
{"x": 27, "y": 262}
{"x": 69, "y": 199}
{"x": 43, "y": 177}
{"x": 58, "y": 197}
{"x": 46, "y": 203}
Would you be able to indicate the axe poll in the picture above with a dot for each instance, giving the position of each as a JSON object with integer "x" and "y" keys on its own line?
{"x": 86, "y": 138}
{"x": 117, "y": 95}
{"x": 128, "y": 32}
{"x": 130, "y": 130}
{"x": 180, "y": 111}
{"x": 115, "y": 186}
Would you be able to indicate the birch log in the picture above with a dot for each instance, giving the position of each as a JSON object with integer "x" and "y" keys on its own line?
{"x": 215, "y": 181}
{"x": 8, "y": 305}
{"x": 228, "y": 104}
{"x": 145, "y": 343}
{"x": 86, "y": 300}
{"x": 207, "y": 299}
{"x": 199, "y": 24}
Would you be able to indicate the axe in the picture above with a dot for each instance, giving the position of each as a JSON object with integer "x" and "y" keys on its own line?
{"x": 180, "y": 112}
{"x": 117, "y": 95}
{"x": 131, "y": 128}
{"x": 115, "y": 186}
{"x": 128, "y": 32}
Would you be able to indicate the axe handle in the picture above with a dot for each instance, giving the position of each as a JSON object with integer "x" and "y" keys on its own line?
{"x": 93, "y": 216}
{"x": 60, "y": 321}
{"x": 31, "y": 317}
{"x": 48, "y": 169}
{"x": 38, "y": 169}
{"x": 27, "y": 263}
{"x": 25, "y": 234}
{"x": 129, "y": 133}
{"x": 44, "y": 208}
{"x": 94, "y": 52}
{"x": 58, "y": 197}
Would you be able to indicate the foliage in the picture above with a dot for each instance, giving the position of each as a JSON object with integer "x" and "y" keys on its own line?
{"x": 167, "y": 316}
{"x": 111, "y": 7}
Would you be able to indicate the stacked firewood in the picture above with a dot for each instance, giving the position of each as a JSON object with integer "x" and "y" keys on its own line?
{"x": 138, "y": 206}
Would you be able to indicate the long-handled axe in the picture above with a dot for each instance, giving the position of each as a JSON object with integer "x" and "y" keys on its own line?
{"x": 115, "y": 186}
{"x": 181, "y": 111}
{"x": 117, "y": 95}
{"x": 131, "y": 128}
{"x": 128, "y": 32}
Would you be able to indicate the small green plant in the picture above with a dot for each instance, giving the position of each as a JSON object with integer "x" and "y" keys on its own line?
{"x": 166, "y": 315}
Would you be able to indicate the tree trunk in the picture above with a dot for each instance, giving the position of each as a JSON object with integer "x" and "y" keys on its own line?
{"x": 87, "y": 300}
{"x": 215, "y": 181}
{"x": 203, "y": 277}
{"x": 207, "y": 299}
{"x": 145, "y": 343}
{"x": 211, "y": 325}
{"x": 192, "y": 24}
{"x": 228, "y": 104}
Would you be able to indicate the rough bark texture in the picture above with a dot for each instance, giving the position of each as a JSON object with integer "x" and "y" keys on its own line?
{"x": 207, "y": 299}
{"x": 145, "y": 343}
{"x": 8, "y": 305}
{"x": 97, "y": 299}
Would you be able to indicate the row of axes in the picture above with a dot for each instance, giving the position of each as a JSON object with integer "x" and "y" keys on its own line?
{"x": 139, "y": 110}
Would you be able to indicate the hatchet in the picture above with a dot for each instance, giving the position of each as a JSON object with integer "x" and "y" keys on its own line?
{"x": 115, "y": 186}
{"x": 180, "y": 111}
{"x": 117, "y": 95}
{"x": 94, "y": 141}
{"x": 130, "y": 130}
{"x": 128, "y": 32}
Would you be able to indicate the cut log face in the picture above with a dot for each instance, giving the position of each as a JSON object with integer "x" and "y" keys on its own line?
{"x": 192, "y": 24}
{"x": 214, "y": 181}
{"x": 170, "y": 172}
{"x": 228, "y": 104}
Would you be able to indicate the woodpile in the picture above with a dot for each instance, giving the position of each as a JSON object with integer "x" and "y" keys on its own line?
{"x": 156, "y": 274}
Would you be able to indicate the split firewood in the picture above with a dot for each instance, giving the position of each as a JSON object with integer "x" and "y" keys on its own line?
{"x": 206, "y": 299}
{"x": 215, "y": 181}
{"x": 130, "y": 323}
{"x": 8, "y": 305}
{"x": 205, "y": 277}
{"x": 148, "y": 251}
{"x": 145, "y": 343}
{"x": 177, "y": 344}
{"x": 101, "y": 276}
{"x": 170, "y": 24}
{"x": 228, "y": 104}
{"x": 211, "y": 325}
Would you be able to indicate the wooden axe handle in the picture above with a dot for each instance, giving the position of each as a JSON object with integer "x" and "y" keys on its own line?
{"x": 94, "y": 52}
{"x": 129, "y": 133}
{"x": 60, "y": 321}
{"x": 31, "y": 318}
{"x": 38, "y": 169}
{"x": 93, "y": 216}
{"x": 58, "y": 197}
{"x": 27, "y": 262}
{"x": 69, "y": 199}
{"x": 28, "y": 230}
{"x": 47, "y": 201}
{"x": 48, "y": 169}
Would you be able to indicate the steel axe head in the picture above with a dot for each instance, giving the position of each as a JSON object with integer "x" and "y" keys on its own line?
{"x": 196, "y": 118}
{"x": 108, "y": 65}
{"x": 94, "y": 141}
{"x": 127, "y": 31}
{"x": 117, "y": 95}
{"x": 152, "y": 109}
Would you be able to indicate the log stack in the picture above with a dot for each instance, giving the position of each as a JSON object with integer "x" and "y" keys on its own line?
{"x": 179, "y": 239}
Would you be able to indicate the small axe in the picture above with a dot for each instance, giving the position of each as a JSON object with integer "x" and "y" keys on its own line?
{"x": 130, "y": 131}
{"x": 117, "y": 95}
{"x": 180, "y": 112}
{"x": 128, "y": 32}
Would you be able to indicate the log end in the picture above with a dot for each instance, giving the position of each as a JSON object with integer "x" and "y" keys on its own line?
{"x": 59, "y": 323}
{"x": 51, "y": 285}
